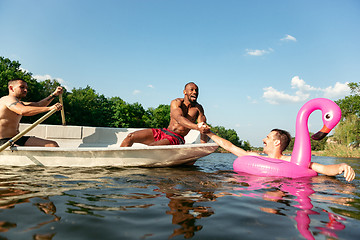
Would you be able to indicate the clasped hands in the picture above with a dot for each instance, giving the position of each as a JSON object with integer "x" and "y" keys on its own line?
{"x": 203, "y": 127}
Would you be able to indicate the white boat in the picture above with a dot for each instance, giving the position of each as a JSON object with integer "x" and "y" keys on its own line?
{"x": 99, "y": 146}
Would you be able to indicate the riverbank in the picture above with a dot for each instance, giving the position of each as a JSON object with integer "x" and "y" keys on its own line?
{"x": 330, "y": 151}
{"x": 335, "y": 150}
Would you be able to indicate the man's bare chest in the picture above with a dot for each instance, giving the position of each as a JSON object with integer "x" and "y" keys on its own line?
{"x": 190, "y": 113}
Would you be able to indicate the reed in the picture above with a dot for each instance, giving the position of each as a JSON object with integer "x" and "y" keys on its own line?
{"x": 337, "y": 150}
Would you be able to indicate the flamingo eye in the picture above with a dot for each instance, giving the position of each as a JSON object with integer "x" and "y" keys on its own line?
{"x": 328, "y": 116}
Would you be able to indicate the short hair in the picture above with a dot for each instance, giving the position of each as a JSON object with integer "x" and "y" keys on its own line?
{"x": 189, "y": 84}
{"x": 283, "y": 136}
{"x": 12, "y": 81}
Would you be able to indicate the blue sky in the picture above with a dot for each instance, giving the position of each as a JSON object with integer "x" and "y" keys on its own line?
{"x": 255, "y": 62}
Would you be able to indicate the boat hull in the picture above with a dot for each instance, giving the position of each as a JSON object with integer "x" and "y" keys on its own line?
{"x": 157, "y": 156}
{"x": 96, "y": 153}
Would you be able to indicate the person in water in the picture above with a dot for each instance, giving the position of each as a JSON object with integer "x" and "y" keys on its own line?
{"x": 184, "y": 113}
{"x": 274, "y": 145}
{"x": 12, "y": 110}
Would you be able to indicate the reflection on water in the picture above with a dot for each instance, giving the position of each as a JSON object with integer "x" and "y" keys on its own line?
{"x": 174, "y": 203}
{"x": 300, "y": 191}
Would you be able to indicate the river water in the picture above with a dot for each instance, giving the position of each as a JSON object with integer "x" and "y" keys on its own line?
{"x": 205, "y": 201}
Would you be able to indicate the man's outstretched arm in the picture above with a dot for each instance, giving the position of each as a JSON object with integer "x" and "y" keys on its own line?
{"x": 334, "y": 169}
{"x": 227, "y": 145}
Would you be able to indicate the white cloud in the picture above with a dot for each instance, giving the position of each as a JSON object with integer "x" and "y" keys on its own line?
{"x": 258, "y": 52}
{"x": 151, "y": 86}
{"x": 289, "y": 38}
{"x": 251, "y": 100}
{"x": 24, "y": 70}
{"x": 274, "y": 96}
{"x": 296, "y": 82}
{"x": 339, "y": 90}
{"x": 135, "y": 92}
{"x": 49, "y": 77}
{"x": 46, "y": 77}
{"x": 303, "y": 92}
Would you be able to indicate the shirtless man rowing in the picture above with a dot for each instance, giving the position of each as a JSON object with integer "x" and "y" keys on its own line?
{"x": 184, "y": 113}
{"x": 12, "y": 110}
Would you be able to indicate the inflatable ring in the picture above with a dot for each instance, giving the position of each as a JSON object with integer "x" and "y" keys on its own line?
{"x": 301, "y": 155}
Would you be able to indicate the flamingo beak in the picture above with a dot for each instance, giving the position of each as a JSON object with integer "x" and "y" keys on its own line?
{"x": 321, "y": 134}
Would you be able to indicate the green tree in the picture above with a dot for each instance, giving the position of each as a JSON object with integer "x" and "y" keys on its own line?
{"x": 246, "y": 145}
{"x": 355, "y": 88}
{"x": 158, "y": 117}
{"x": 127, "y": 115}
{"x": 230, "y": 135}
{"x": 316, "y": 145}
{"x": 348, "y": 131}
{"x": 86, "y": 107}
{"x": 11, "y": 70}
{"x": 350, "y": 104}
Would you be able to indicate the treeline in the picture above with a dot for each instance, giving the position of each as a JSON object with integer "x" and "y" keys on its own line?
{"x": 315, "y": 144}
{"x": 348, "y": 130}
{"x": 86, "y": 107}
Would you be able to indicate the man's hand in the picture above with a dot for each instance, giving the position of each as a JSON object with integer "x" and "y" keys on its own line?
{"x": 203, "y": 127}
{"x": 349, "y": 173}
{"x": 58, "y": 91}
{"x": 56, "y": 106}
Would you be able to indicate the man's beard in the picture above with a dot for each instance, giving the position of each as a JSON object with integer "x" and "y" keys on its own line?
{"x": 191, "y": 99}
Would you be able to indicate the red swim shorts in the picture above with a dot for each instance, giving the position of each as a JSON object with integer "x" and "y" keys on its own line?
{"x": 175, "y": 139}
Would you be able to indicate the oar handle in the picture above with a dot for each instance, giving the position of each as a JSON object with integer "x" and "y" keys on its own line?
{"x": 62, "y": 110}
{"x": 28, "y": 129}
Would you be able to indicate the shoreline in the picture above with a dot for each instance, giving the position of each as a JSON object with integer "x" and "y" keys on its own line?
{"x": 338, "y": 152}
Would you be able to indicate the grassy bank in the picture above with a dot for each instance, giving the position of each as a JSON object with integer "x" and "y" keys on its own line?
{"x": 335, "y": 150}
{"x": 332, "y": 150}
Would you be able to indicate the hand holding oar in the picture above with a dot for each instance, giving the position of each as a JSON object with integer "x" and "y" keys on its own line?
{"x": 28, "y": 129}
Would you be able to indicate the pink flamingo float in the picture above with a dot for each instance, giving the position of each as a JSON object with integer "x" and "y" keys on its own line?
{"x": 301, "y": 155}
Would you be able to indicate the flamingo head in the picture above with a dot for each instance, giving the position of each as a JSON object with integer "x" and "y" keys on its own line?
{"x": 331, "y": 115}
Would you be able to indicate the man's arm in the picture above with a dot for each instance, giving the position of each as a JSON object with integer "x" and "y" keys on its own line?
{"x": 19, "y": 108}
{"x": 46, "y": 101}
{"x": 202, "y": 122}
{"x": 227, "y": 145}
{"x": 334, "y": 169}
{"x": 23, "y": 110}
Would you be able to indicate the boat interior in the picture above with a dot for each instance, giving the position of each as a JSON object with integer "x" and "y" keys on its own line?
{"x": 83, "y": 136}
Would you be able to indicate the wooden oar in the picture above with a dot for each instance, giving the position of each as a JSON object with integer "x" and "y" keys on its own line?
{"x": 28, "y": 129}
{"x": 62, "y": 110}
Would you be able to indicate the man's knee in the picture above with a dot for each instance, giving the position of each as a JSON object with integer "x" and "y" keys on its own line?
{"x": 128, "y": 140}
{"x": 39, "y": 142}
{"x": 51, "y": 143}
{"x": 54, "y": 144}
{"x": 130, "y": 137}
